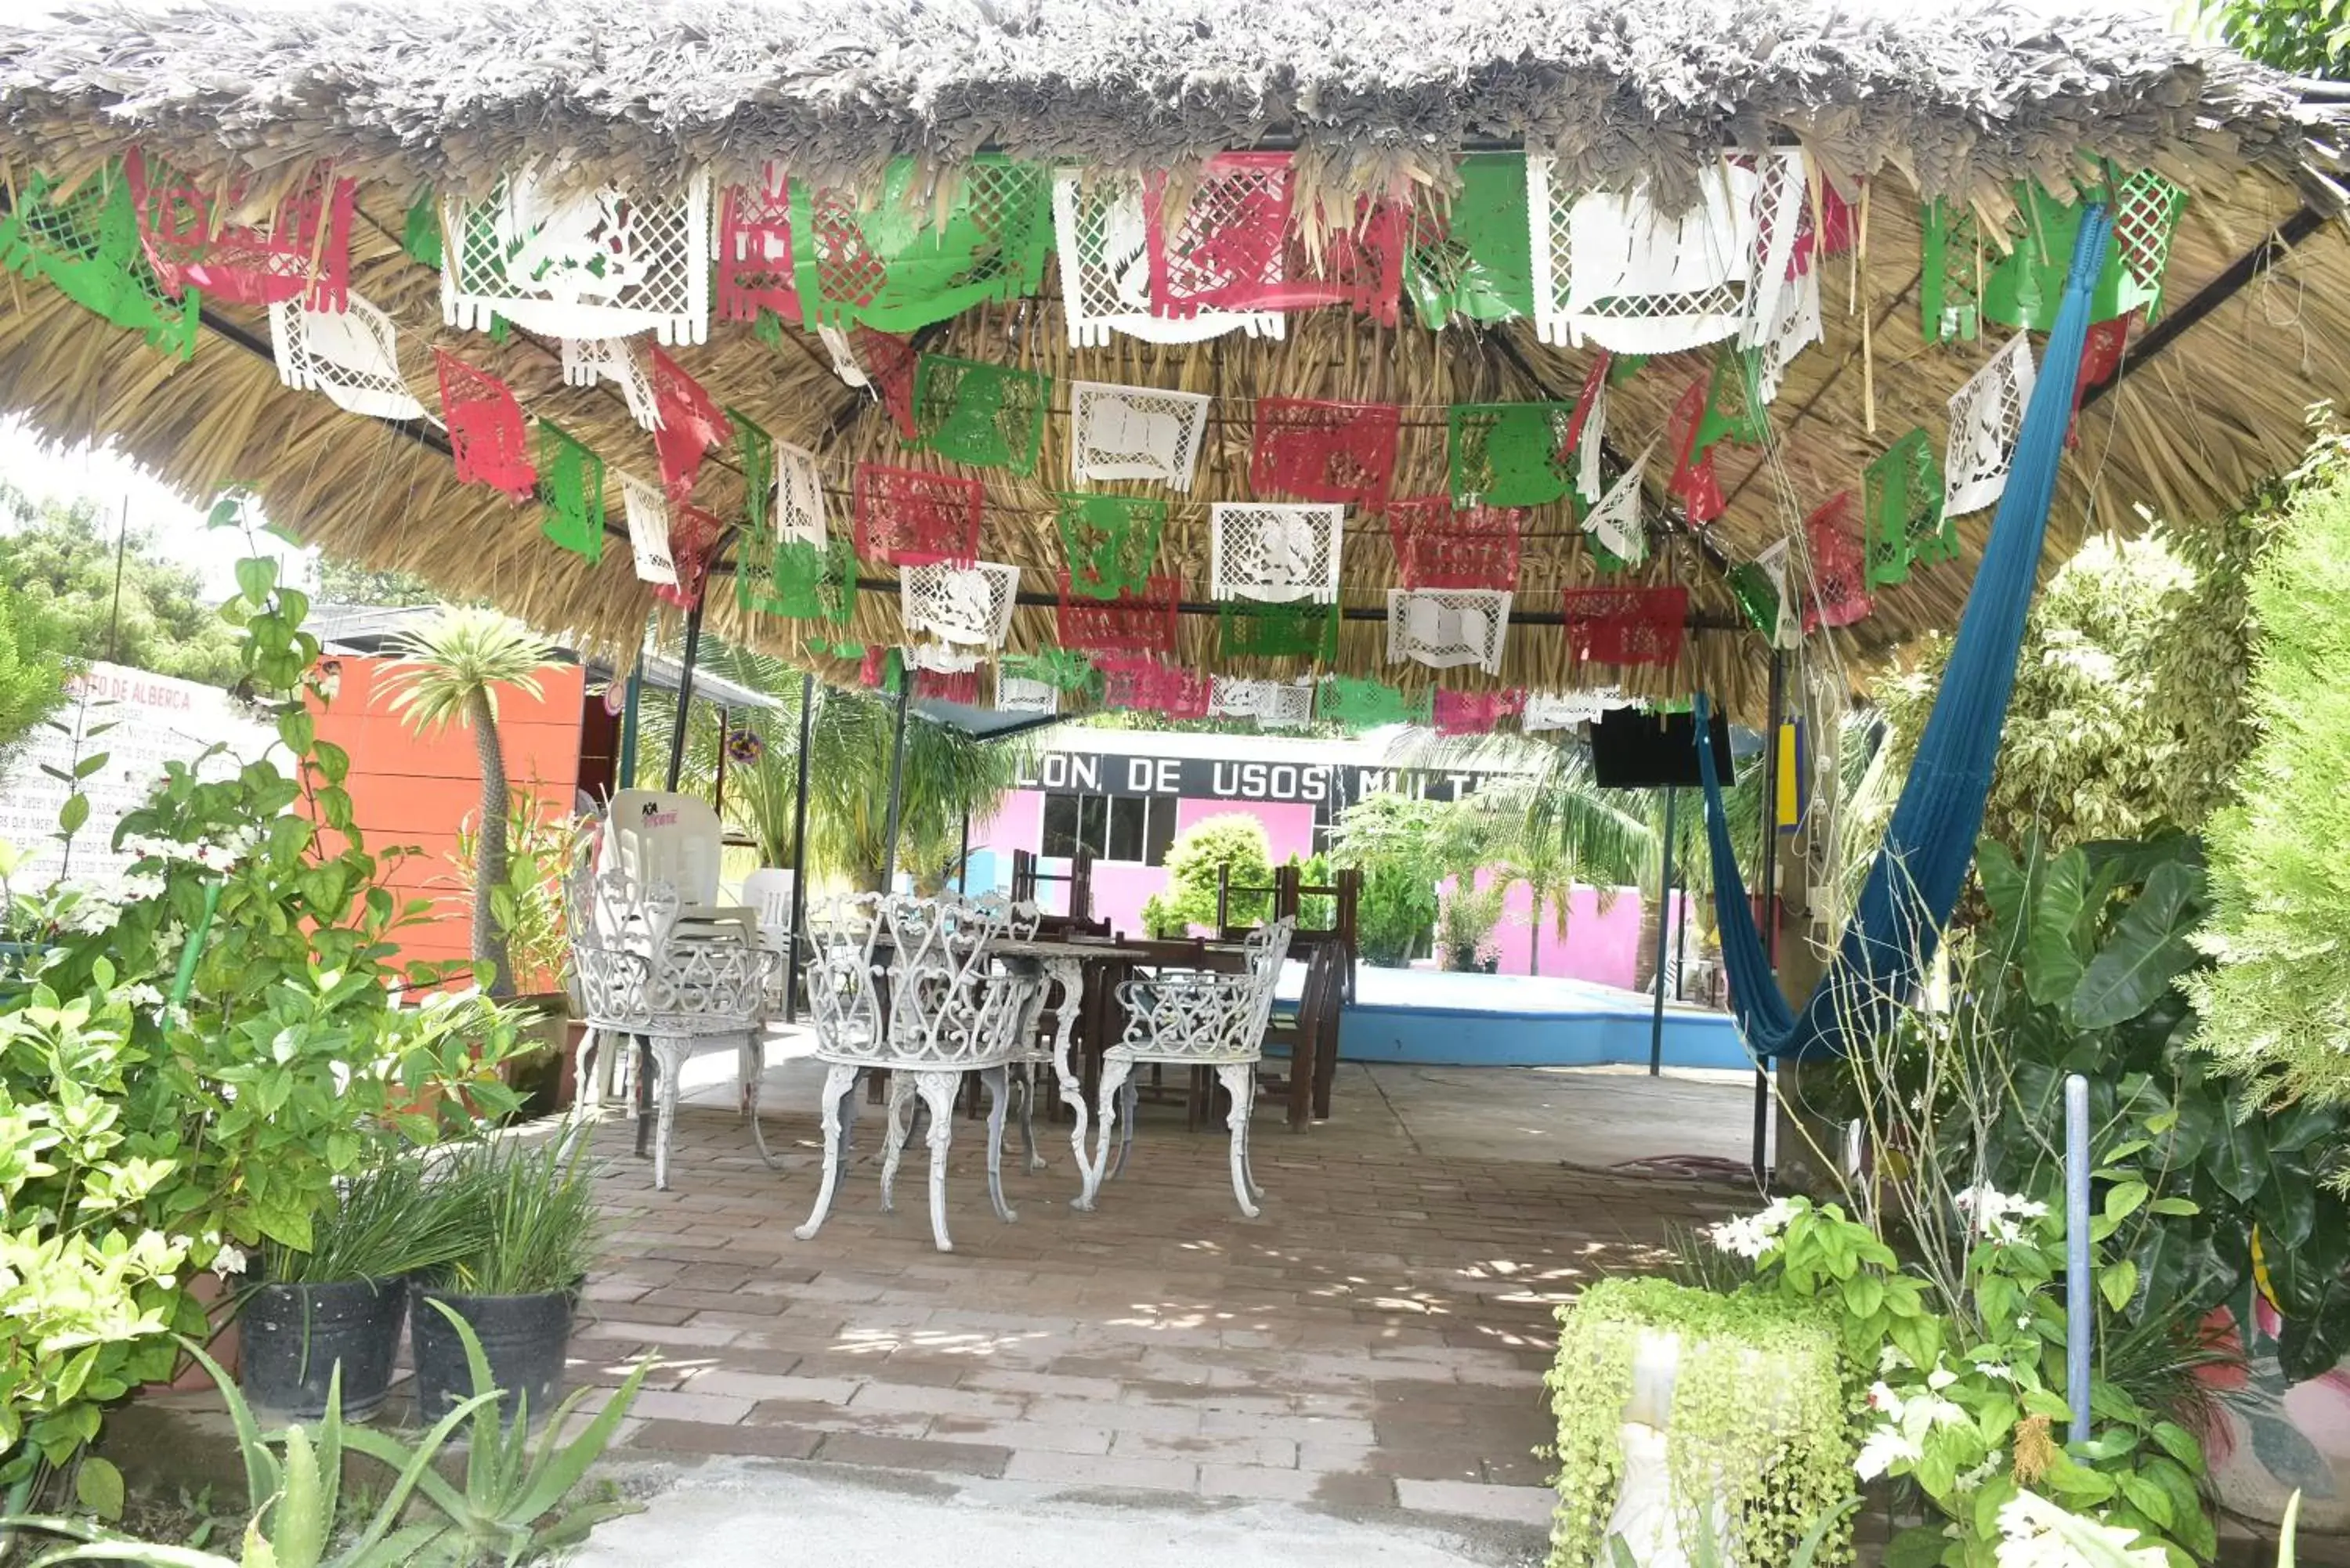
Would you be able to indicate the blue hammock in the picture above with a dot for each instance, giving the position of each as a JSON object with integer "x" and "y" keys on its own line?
{"x": 1914, "y": 881}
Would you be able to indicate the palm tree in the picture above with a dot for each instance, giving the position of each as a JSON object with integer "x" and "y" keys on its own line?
{"x": 948, "y": 775}
{"x": 449, "y": 672}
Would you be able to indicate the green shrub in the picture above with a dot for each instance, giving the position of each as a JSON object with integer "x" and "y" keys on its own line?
{"x": 2277, "y": 1008}
{"x": 1231, "y": 841}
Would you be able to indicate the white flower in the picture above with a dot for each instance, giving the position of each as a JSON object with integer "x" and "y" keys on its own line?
{"x": 2038, "y": 1533}
{"x": 140, "y": 994}
{"x": 1884, "y": 1446}
{"x": 1739, "y": 1237}
{"x": 1994, "y": 1213}
{"x": 1884, "y": 1400}
{"x": 138, "y": 887}
{"x": 1889, "y": 1358}
{"x": 1999, "y": 1369}
{"x": 1754, "y": 1236}
{"x": 1941, "y": 1377}
{"x": 229, "y": 1260}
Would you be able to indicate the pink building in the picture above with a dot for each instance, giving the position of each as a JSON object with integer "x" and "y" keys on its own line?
{"x": 1125, "y": 795}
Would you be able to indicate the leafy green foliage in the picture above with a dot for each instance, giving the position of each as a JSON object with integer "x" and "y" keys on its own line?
{"x": 187, "y": 1069}
{"x": 58, "y": 560}
{"x": 2277, "y": 1008}
{"x": 516, "y": 1505}
{"x": 35, "y": 659}
{"x": 2128, "y": 714}
{"x": 525, "y": 1214}
{"x": 1758, "y": 1420}
{"x": 528, "y": 906}
{"x": 85, "y": 1286}
{"x": 1967, "y": 1402}
{"x": 2307, "y": 38}
{"x": 1233, "y": 843}
{"x": 1465, "y": 923}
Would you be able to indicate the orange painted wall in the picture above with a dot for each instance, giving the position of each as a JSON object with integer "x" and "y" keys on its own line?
{"x": 411, "y": 791}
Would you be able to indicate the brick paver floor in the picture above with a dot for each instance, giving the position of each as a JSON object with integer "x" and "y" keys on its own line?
{"x": 1376, "y": 1339}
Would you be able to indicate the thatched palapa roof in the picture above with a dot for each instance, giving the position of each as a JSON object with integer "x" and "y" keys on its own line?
{"x": 1930, "y": 101}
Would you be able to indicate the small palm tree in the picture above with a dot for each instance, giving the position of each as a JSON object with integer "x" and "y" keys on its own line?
{"x": 450, "y": 671}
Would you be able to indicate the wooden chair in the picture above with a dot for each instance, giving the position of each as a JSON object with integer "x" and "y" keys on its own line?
{"x": 1308, "y": 1038}
{"x": 1025, "y": 878}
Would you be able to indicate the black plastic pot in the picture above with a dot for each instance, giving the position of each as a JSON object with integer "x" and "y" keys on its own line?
{"x": 295, "y": 1336}
{"x": 524, "y": 1338}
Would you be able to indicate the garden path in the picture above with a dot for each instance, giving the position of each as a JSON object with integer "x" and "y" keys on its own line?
{"x": 1373, "y": 1345}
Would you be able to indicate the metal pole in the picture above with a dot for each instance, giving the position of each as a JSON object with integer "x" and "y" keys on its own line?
{"x": 897, "y": 781}
{"x": 636, "y": 696}
{"x": 2080, "y": 1313}
{"x": 963, "y": 867}
{"x": 1770, "y": 883}
{"x": 799, "y": 854}
{"x": 1664, "y": 936}
{"x": 685, "y": 691}
{"x": 718, "y": 786}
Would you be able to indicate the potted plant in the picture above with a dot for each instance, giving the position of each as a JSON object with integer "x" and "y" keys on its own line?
{"x": 532, "y": 920}
{"x": 1464, "y": 929}
{"x": 336, "y": 1307}
{"x": 529, "y": 1210}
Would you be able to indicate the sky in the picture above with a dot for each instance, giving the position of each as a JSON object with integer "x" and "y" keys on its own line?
{"x": 115, "y": 483}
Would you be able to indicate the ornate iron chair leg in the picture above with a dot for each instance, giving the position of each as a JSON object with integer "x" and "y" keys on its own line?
{"x": 1030, "y": 1086}
{"x": 753, "y": 1068}
{"x": 1240, "y": 1082}
{"x": 1126, "y": 1134}
{"x": 644, "y": 1090}
{"x": 938, "y": 1092}
{"x": 893, "y": 1140}
{"x": 997, "y": 1082}
{"x": 839, "y": 1085}
{"x": 1114, "y": 1071}
{"x": 669, "y": 1052}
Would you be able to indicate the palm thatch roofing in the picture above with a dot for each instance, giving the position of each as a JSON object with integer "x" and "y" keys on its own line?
{"x": 1916, "y": 102}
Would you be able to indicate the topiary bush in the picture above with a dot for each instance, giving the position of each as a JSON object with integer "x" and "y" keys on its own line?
{"x": 1758, "y": 1421}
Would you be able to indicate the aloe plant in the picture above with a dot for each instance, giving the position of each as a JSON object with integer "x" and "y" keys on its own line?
{"x": 510, "y": 1488}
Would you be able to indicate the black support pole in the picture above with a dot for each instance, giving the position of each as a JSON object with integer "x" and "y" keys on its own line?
{"x": 897, "y": 781}
{"x": 1769, "y": 881}
{"x": 685, "y": 692}
{"x": 963, "y": 867}
{"x": 799, "y": 853}
{"x": 1664, "y": 939}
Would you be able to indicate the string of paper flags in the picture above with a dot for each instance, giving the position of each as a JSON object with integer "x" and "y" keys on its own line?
{"x": 1235, "y": 251}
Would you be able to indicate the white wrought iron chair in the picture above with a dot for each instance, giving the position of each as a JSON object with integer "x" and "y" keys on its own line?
{"x": 681, "y": 989}
{"x": 948, "y": 1012}
{"x": 1195, "y": 1020}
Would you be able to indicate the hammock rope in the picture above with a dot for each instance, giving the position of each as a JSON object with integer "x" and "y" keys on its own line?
{"x": 1914, "y": 883}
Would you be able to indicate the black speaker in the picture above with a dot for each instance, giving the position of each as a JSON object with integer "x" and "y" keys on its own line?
{"x": 1634, "y": 750}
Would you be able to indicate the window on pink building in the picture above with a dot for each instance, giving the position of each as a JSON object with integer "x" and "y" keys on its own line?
{"x": 1133, "y": 829}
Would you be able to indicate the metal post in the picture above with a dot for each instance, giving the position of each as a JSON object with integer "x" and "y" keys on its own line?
{"x": 963, "y": 866}
{"x": 718, "y": 786}
{"x": 635, "y": 699}
{"x": 897, "y": 781}
{"x": 2080, "y": 1312}
{"x": 685, "y": 692}
{"x": 1770, "y": 915}
{"x": 799, "y": 854}
{"x": 1664, "y": 936}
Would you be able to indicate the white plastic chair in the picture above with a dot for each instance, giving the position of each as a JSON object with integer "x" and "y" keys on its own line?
{"x": 1195, "y": 1020}
{"x": 767, "y": 894}
{"x": 656, "y": 835}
